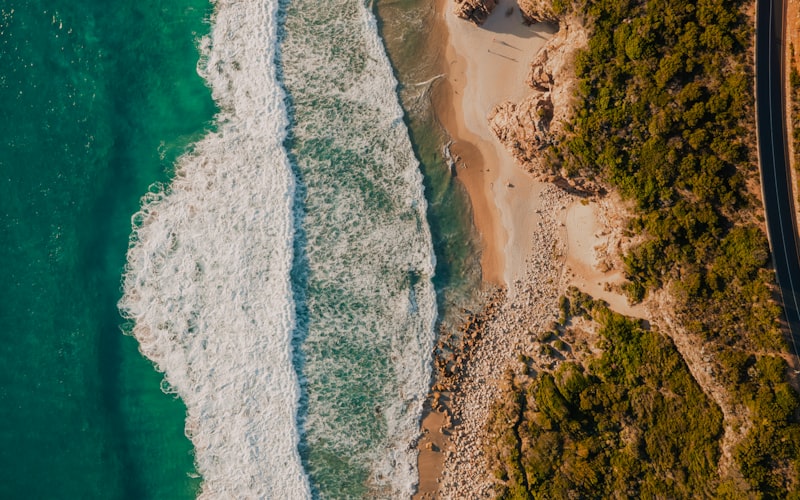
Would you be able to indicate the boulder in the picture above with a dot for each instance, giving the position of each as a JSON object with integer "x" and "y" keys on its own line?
{"x": 540, "y": 76}
{"x": 476, "y": 11}
{"x": 524, "y": 128}
{"x": 539, "y": 79}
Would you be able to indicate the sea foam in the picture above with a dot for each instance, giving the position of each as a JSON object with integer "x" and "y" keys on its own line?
{"x": 207, "y": 282}
{"x": 369, "y": 305}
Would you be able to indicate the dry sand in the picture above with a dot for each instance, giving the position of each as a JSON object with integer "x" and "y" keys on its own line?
{"x": 485, "y": 66}
{"x": 593, "y": 237}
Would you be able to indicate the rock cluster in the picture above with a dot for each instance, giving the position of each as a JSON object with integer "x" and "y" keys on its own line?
{"x": 460, "y": 344}
{"x": 476, "y": 11}
{"x": 493, "y": 340}
{"x": 524, "y": 128}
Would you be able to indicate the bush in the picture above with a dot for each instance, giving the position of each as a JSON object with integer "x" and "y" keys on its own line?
{"x": 634, "y": 424}
{"x": 665, "y": 115}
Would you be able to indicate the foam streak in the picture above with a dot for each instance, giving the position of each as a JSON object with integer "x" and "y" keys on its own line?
{"x": 371, "y": 303}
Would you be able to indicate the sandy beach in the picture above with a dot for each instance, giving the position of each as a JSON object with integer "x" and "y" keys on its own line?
{"x": 536, "y": 240}
{"x": 485, "y": 66}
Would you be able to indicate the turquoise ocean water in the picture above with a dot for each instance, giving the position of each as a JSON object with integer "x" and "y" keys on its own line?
{"x": 288, "y": 281}
{"x": 96, "y": 102}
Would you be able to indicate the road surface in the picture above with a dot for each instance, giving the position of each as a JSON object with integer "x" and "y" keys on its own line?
{"x": 775, "y": 175}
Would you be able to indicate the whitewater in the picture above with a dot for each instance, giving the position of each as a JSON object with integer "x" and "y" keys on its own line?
{"x": 282, "y": 280}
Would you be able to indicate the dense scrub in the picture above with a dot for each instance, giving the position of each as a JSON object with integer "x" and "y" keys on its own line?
{"x": 632, "y": 424}
{"x": 664, "y": 114}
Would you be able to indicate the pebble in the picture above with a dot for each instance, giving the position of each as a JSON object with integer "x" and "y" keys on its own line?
{"x": 501, "y": 333}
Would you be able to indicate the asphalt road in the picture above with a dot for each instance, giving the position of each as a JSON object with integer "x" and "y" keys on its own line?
{"x": 775, "y": 176}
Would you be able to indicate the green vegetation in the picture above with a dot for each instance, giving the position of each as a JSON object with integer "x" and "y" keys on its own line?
{"x": 665, "y": 115}
{"x": 769, "y": 456}
{"x": 632, "y": 424}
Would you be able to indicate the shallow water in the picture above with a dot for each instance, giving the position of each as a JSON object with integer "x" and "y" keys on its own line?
{"x": 415, "y": 52}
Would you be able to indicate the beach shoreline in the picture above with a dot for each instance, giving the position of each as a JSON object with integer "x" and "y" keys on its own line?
{"x": 506, "y": 201}
{"x": 483, "y": 67}
{"x": 536, "y": 240}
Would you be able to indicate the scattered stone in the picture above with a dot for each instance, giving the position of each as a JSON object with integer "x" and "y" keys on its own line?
{"x": 493, "y": 340}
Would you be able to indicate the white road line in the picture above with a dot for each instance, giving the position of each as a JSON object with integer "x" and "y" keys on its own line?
{"x": 775, "y": 163}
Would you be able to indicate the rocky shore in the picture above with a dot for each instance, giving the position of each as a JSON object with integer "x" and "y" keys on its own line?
{"x": 470, "y": 380}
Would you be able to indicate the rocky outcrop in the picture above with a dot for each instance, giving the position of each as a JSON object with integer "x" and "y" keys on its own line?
{"x": 537, "y": 11}
{"x": 476, "y": 11}
{"x": 528, "y": 127}
{"x": 539, "y": 78}
{"x": 524, "y": 128}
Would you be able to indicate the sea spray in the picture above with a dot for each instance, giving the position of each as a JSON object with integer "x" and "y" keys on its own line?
{"x": 207, "y": 280}
{"x": 367, "y": 303}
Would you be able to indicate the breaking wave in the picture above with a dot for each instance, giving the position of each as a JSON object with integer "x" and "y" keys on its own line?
{"x": 207, "y": 280}
{"x": 249, "y": 270}
{"x": 369, "y": 306}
